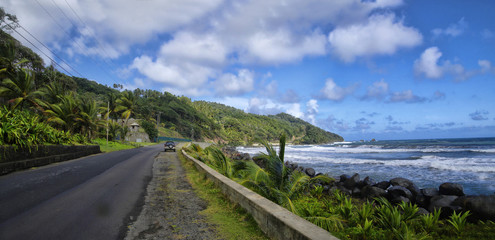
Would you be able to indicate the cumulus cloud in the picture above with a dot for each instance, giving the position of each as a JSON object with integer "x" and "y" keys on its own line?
{"x": 428, "y": 66}
{"x": 363, "y": 124}
{"x": 378, "y": 90}
{"x": 479, "y": 115}
{"x": 312, "y": 110}
{"x": 453, "y": 30}
{"x": 380, "y": 35}
{"x": 333, "y": 92}
{"x": 280, "y": 47}
{"x": 486, "y": 66}
{"x": 233, "y": 85}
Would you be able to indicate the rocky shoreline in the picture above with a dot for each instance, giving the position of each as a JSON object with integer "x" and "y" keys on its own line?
{"x": 448, "y": 197}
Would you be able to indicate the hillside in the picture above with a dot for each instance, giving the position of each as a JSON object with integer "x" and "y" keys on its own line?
{"x": 72, "y": 104}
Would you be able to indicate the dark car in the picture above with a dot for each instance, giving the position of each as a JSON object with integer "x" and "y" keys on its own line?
{"x": 169, "y": 146}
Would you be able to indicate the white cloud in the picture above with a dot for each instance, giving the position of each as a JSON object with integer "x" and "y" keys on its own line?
{"x": 333, "y": 92}
{"x": 427, "y": 64}
{"x": 187, "y": 76}
{"x": 281, "y": 47}
{"x": 380, "y": 35}
{"x": 295, "y": 110}
{"x": 378, "y": 91}
{"x": 312, "y": 110}
{"x": 233, "y": 85}
{"x": 453, "y": 30}
{"x": 202, "y": 49}
{"x": 486, "y": 66}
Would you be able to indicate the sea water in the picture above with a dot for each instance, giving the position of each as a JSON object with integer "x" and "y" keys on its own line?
{"x": 428, "y": 163}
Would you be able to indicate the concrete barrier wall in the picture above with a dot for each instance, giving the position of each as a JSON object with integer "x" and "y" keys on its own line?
{"x": 276, "y": 221}
{"x": 12, "y": 159}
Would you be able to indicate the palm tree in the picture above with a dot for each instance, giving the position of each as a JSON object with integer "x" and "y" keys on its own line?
{"x": 277, "y": 182}
{"x": 20, "y": 89}
{"x": 64, "y": 113}
{"x": 127, "y": 104}
{"x": 87, "y": 117}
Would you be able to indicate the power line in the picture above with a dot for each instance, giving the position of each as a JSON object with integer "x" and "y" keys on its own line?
{"x": 37, "y": 48}
{"x": 51, "y": 50}
{"x": 96, "y": 39}
{"x": 69, "y": 36}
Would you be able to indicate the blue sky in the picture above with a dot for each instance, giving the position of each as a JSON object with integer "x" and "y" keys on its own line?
{"x": 384, "y": 69}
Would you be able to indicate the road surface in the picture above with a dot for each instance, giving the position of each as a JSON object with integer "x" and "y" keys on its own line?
{"x": 94, "y": 197}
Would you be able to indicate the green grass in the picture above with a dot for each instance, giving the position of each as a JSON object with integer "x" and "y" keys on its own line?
{"x": 230, "y": 220}
{"x": 117, "y": 145}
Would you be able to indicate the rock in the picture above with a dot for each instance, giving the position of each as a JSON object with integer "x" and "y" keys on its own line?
{"x": 300, "y": 169}
{"x": 318, "y": 174}
{"x": 421, "y": 200}
{"x": 403, "y": 182}
{"x": 383, "y": 185}
{"x": 422, "y": 211}
{"x": 399, "y": 199}
{"x": 310, "y": 172}
{"x": 344, "y": 177}
{"x": 397, "y": 191}
{"x": 481, "y": 207}
{"x": 372, "y": 192}
{"x": 444, "y": 203}
{"x": 451, "y": 189}
{"x": 367, "y": 181}
{"x": 430, "y": 192}
{"x": 352, "y": 181}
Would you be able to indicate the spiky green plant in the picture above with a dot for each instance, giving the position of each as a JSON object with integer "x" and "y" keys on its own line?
{"x": 458, "y": 221}
{"x": 20, "y": 90}
{"x": 431, "y": 220}
{"x": 409, "y": 211}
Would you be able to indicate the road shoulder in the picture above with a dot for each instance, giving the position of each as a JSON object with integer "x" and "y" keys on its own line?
{"x": 171, "y": 208}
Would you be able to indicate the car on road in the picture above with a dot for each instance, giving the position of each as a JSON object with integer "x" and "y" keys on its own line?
{"x": 169, "y": 146}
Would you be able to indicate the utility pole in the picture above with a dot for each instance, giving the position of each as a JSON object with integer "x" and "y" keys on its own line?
{"x": 108, "y": 116}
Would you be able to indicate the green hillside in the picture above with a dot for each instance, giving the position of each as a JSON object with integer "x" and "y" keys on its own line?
{"x": 77, "y": 105}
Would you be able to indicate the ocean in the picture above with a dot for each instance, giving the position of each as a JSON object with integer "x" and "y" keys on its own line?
{"x": 428, "y": 163}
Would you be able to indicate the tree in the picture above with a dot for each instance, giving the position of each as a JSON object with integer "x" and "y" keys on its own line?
{"x": 8, "y": 21}
{"x": 150, "y": 129}
{"x": 87, "y": 117}
{"x": 126, "y": 104}
{"x": 64, "y": 113}
{"x": 20, "y": 89}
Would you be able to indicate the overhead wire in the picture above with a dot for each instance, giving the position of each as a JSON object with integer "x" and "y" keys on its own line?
{"x": 37, "y": 48}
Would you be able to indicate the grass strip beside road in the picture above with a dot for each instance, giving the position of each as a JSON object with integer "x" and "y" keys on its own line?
{"x": 118, "y": 145}
{"x": 231, "y": 221}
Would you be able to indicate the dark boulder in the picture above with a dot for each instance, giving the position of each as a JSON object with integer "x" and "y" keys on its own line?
{"x": 310, "y": 172}
{"x": 421, "y": 200}
{"x": 383, "y": 185}
{"x": 352, "y": 181}
{"x": 356, "y": 192}
{"x": 399, "y": 199}
{"x": 403, "y": 182}
{"x": 430, "y": 192}
{"x": 481, "y": 207}
{"x": 451, "y": 189}
{"x": 300, "y": 169}
{"x": 344, "y": 177}
{"x": 397, "y": 191}
{"x": 445, "y": 204}
{"x": 372, "y": 192}
{"x": 367, "y": 181}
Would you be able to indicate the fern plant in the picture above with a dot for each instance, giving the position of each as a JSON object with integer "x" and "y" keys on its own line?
{"x": 458, "y": 221}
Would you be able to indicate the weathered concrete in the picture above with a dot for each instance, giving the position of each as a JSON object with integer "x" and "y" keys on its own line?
{"x": 12, "y": 160}
{"x": 276, "y": 221}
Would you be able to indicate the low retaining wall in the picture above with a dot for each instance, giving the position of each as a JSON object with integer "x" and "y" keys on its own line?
{"x": 276, "y": 221}
{"x": 12, "y": 160}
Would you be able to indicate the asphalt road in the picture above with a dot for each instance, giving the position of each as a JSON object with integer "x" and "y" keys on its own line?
{"x": 94, "y": 197}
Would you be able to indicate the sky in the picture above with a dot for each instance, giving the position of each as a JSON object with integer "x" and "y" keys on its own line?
{"x": 384, "y": 69}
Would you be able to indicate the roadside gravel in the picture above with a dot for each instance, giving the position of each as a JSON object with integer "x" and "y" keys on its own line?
{"x": 171, "y": 209}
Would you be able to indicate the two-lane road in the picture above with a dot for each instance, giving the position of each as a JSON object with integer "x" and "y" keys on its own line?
{"x": 93, "y": 197}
